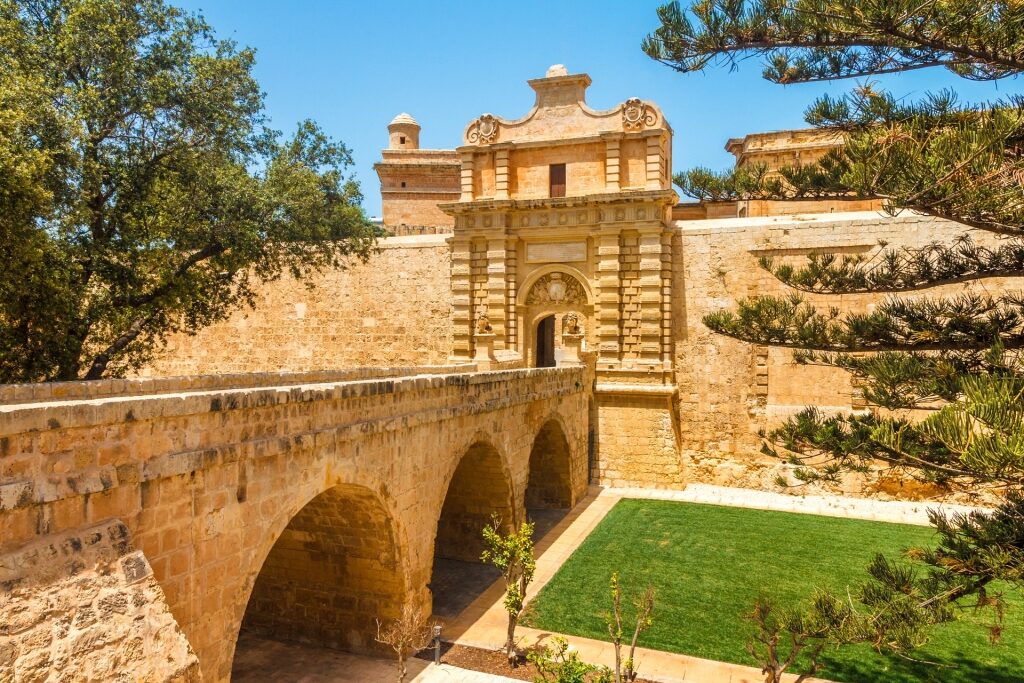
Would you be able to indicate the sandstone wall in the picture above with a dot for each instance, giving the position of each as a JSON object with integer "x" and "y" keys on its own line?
{"x": 207, "y": 480}
{"x": 85, "y": 606}
{"x": 728, "y": 389}
{"x": 393, "y": 310}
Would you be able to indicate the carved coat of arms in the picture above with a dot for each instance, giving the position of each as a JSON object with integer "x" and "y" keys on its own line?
{"x": 636, "y": 114}
{"x": 484, "y": 130}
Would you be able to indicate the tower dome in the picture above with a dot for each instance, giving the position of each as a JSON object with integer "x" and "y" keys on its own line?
{"x": 403, "y": 132}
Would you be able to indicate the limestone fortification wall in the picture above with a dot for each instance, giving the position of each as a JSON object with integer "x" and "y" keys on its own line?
{"x": 396, "y": 310}
{"x": 391, "y": 311}
{"x": 728, "y": 389}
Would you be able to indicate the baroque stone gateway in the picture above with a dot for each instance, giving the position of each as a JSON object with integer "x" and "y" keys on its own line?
{"x": 532, "y": 326}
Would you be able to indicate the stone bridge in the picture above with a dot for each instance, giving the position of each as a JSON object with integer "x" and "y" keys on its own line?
{"x": 143, "y": 522}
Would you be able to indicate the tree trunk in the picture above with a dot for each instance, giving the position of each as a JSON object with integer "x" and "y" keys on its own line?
{"x": 510, "y": 640}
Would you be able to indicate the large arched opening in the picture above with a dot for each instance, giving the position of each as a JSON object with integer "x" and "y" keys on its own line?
{"x": 479, "y": 490}
{"x": 330, "y": 575}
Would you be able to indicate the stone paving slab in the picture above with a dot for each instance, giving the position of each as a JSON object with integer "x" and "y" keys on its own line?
{"x": 451, "y": 674}
{"x": 261, "y": 660}
{"x": 901, "y": 512}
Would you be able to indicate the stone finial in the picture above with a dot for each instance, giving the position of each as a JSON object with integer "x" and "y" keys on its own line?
{"x": 556, "y": 70}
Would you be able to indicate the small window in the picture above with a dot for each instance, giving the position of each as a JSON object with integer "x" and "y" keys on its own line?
{"x": 403, "y": 183}
{"x": 401, "y": 139}
{"x": 557, "y": 176}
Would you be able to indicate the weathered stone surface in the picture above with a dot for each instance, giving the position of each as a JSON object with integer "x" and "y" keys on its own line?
{"x": 321, "y": 501}
{"x": 69, "y": 612}
{"x": 674, "y": 401}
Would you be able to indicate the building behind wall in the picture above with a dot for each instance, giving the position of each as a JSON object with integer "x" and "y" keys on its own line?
{"x": 557, "y": 237}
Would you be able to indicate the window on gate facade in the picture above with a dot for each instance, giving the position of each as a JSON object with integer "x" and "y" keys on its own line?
{"x": 557, "y": 176}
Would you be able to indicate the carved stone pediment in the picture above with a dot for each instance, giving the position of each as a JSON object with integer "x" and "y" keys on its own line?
{"x": 557, "y": 289}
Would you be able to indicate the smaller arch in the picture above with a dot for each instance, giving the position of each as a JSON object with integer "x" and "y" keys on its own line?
{"x": 479, "y": 488}
{"x": 549, "y": 485}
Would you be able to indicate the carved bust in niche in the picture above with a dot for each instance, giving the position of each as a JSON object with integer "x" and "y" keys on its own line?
{"x": 571, "y": 325}
{"x": 483, "y": 325}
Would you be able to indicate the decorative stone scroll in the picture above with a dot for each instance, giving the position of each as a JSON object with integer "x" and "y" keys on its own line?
{"x": 483, "y": 131}
{"x": 556, "y": 288}
{"x": 637, "y": 115}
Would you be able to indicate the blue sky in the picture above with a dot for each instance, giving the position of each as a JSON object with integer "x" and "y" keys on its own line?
{"x": 351, "y": 66}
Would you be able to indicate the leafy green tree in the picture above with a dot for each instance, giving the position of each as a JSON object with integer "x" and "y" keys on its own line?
{"x": 141, "y": 191}
{"x": 512, "y": 553}
{"x": 955, "y": 358}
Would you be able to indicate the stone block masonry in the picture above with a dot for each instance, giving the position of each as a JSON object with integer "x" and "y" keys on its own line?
{"x": 319, "y": 500}
{"x": 394, "y": 310}
{"x": 85, "y": 606}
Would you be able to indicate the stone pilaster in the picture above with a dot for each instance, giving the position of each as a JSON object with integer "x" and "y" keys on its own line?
{"x": 466, "y": 176}
{"x": 606, "y": 308}
{"x": 611, "y": 168}
{"x": 478, "y": 285}
{"x": 630, "y": 320}
{"x": 497, "y": 286}
{"x": 650, "y": 295}
{"x": 655, "y": 164}
{"x": 462, "y": 323}
{"x": 501, "y": 173}
{"x": 666, "y": 299}
{"x": 511, "y": 322}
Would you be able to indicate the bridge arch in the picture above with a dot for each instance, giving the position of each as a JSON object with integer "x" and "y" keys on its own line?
{"x": 333, "y": 571}
{"x": 550, "y": 477}
{"x": 479, "y": 488}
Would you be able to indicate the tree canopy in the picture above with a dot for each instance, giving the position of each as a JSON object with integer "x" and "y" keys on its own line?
{"x": 943, "y": 374}
{"x": 142, "y": 191}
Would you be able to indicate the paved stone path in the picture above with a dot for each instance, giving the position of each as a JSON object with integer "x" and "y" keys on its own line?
{"x": 260, "y": 660}
{"x": 904, "y": 512}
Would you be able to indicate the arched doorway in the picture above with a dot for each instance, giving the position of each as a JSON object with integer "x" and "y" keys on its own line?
{"x": 545, "y": 343}
{"x": 330, "y": 575}
{"x": 479, "y": 489}
{"x": 543, "y": 301}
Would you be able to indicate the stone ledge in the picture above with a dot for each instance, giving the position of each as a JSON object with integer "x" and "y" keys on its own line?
{"x": 65, "y": 391}
{"x": 659, "y": 390}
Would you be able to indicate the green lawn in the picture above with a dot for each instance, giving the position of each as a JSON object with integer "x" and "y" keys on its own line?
{"x": 709, "y": 564}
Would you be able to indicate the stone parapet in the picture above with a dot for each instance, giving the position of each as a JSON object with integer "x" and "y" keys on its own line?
{"x": 140, "y": 386}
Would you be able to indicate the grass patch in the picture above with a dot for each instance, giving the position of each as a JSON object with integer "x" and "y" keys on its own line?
{"x": 709, "y": 563}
